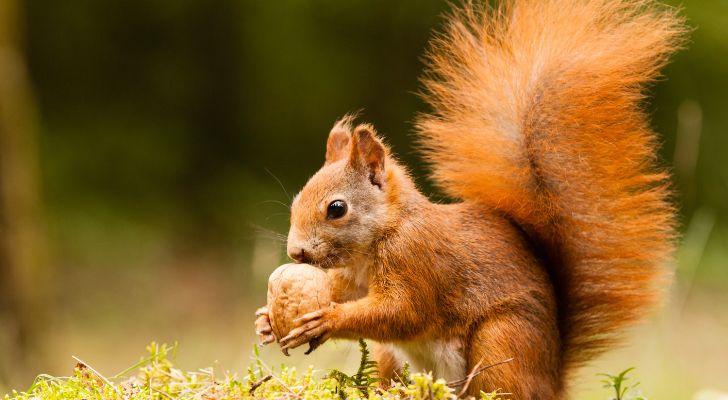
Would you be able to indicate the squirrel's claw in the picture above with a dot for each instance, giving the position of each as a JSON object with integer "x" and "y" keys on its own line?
{"x": 303, "y": 334}
{"x": 316, "y": 342}
{"x": 309, "y": 317}
{"x": 267, "y": 339}
{"x": 313, "y": 329}
{"x": 263, "y": 328}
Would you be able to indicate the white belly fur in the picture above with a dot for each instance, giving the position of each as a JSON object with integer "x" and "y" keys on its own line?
{"x": 442, "y": 357}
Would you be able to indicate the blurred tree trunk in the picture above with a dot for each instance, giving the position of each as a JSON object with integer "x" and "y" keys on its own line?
{"x": 23, "y": 275}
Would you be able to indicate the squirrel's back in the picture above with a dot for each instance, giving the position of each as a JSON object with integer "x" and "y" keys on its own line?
{"x": 537, "y": 112}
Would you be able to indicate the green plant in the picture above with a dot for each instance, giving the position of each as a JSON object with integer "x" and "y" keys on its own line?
{"x": 155, "y": 377}
{"x": 405, "y": 377}
{"x": 622, "y": 391}
{"x": 365, "y": 378}
{"x": 496, "y": 395}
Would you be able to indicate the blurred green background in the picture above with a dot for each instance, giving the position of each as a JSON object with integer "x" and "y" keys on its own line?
{"x": 148, "y": 149}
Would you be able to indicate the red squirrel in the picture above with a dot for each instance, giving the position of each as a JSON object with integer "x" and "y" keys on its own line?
{"x": 562, "y": 226}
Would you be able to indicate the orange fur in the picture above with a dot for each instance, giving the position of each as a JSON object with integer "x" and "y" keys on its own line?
{"x": 537, "y": 113}
{"x": 564, "y": 220}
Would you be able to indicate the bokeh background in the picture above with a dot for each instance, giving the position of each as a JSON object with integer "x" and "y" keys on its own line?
{"x": 148, "y": 150}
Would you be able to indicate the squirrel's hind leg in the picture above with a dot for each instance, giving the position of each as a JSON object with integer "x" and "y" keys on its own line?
{"x": 388, "y": 361}
{"x": 533, "y": 372}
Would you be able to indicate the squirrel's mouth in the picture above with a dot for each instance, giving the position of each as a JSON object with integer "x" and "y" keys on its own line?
{"x": 332, "y": 260}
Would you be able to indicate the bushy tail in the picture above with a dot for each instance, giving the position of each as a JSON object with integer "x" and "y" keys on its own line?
{"x": 537, "y": 112}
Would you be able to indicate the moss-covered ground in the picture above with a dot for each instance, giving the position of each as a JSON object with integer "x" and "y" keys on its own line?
{"x": 155, "y": 377}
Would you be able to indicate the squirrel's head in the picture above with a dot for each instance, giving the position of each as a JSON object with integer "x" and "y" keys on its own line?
{"x": 345, "y": 206}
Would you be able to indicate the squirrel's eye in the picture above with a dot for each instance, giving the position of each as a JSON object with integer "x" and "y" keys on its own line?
{"x": 336, "y": 209}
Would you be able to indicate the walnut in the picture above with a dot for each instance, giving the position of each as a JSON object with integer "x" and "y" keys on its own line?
{"x": 294, "y": 290}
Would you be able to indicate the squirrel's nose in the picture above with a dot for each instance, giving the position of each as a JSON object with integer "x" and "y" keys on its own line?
{"x": 297, "y": 254}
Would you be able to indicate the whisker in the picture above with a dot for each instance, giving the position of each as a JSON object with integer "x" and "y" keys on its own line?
{"x": 274, "y": 215}
{"x": 274, "y": 202}
{"x": 270, "y": 234}
{"x": 279, "y": 182}
{"x": 355, "y": 251}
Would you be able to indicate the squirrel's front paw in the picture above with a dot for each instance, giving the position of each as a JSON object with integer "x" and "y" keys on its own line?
{"x": 262, "y": 326}
{"x": 313, "y": 328}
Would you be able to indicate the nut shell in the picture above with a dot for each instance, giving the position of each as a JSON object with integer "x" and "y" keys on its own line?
{"x": 294, "y": 290}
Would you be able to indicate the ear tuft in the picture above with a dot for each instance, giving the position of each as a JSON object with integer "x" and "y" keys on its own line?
{"x": 368, "y": 154}
{"x": 339, "y": 138}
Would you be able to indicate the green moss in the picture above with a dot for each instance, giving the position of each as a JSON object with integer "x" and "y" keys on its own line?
{"x": 155, "y": 377}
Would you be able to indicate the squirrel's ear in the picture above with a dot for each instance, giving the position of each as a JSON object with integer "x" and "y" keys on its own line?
{"x": 338, "y": 142}
{"x": 367, "y": 153}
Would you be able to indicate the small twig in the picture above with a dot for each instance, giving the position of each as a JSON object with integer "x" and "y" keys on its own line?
{"x": 267, "y": 368}
{"x": 103, "y": 378}
{"x": 477, "y": 372}
{"x": 500, "y": 394}
{"x": 470, "y": 378}
{"x": 363, "y": 387}
{"x": 396, "y": 376}
{"x": 259, "y": 382}
{"x": 160, "y": 392}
